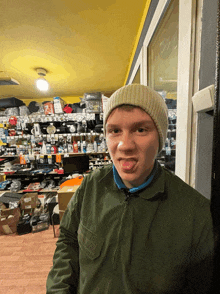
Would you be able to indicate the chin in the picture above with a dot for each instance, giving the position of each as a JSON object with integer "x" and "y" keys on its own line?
{"x": 130, "y": 181}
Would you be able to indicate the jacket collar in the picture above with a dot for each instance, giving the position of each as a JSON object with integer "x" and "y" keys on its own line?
{"x": 154, "y": 191}
{"x": 157, "y": 188}
{"x": 138, "y": 189}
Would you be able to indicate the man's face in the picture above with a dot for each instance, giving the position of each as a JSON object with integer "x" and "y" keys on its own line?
{"x": 133, "y": 143}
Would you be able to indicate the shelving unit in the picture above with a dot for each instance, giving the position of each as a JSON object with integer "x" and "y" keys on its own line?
{"x": 32, "y": 130}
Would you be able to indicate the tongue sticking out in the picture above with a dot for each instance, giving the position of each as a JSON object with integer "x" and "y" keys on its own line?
{"x": 127, "y": 165}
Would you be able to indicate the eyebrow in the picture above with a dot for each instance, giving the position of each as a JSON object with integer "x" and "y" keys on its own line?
{"x": 135, "y": 124}
{"x": 144, "y": 122}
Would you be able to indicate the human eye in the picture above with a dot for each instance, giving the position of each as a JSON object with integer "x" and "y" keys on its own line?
{"x": 141, "y": 130}
{"x": 113, "y": 131}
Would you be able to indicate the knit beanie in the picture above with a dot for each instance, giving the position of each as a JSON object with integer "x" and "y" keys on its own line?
{"x": 146, "y": 98}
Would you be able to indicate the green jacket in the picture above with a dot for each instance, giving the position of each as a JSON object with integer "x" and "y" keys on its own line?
{"x": 159, "y": 242}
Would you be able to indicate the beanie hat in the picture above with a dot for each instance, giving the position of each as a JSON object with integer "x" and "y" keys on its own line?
{"x": 146, "y": 98}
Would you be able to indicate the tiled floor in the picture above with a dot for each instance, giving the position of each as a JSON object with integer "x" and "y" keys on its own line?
{"x": 25, "y": 262}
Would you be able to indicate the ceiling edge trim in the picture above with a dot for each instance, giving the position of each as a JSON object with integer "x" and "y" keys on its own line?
{"x": 148, "y": 2}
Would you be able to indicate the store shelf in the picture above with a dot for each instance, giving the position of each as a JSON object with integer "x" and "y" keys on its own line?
{"x": 32, "y": 130}
{"x": 41, "y": 117}
{"x": 32, "y": 191}
{"x": 44, "y": 136}
{"x": 49, "y": 190}
{"x": 76, "y": 154}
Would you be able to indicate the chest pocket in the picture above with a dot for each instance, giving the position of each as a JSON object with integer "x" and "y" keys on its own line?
{"x": 89, "y": 242}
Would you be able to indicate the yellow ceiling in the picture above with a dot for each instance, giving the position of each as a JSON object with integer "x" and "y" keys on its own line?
{"x": 84, "y": 45}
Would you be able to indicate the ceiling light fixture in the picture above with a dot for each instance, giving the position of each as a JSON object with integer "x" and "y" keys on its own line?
{"x": 41, "y": 82}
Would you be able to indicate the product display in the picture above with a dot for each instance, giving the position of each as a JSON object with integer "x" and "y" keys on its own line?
{"x": 93, "y": 102}
{"x": 41, "y": 149}
{"x": 47, "y": 131}
{"x": 168, "y": 153}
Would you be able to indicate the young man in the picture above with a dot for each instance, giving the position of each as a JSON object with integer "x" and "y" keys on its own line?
{"x": 133, "y": 227}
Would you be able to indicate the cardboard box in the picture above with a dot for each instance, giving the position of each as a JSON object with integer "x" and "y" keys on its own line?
{"x": 8, "y": 221}
{"x": 28, "y": 202}
{"x": 2, "y": 178}
{"x": 64, "y": 196}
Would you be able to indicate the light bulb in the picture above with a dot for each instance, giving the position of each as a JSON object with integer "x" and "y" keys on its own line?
{"x": 42, "y": 84}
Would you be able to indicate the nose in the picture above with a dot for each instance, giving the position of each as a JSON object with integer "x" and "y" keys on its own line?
{"x": 126, "y": 142}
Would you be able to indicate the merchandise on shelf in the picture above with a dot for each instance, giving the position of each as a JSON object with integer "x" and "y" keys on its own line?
{"x": 167, "y": 155}
{"x": 42, "y": 143}
{"x": 93, "y": 102}
{"x": 58, "y": 104}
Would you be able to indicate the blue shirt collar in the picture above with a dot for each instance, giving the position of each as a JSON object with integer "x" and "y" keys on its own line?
{"x": 121, "y": 185}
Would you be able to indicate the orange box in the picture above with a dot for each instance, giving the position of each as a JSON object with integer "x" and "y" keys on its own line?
{"x": 58, "y": 158}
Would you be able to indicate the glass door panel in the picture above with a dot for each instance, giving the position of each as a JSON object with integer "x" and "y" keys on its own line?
{"x": 162, "y": 74}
